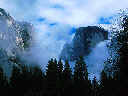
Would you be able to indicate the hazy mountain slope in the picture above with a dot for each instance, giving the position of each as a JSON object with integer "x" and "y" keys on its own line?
{"x": 15, "y": 38}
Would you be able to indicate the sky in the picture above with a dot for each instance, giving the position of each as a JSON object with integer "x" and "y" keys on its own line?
{"x": 55, "y": 21}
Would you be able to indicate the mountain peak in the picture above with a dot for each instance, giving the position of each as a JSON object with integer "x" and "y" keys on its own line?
{"x": 15, "y": 38}
{"x": 84, "y": 40}
{"x": 3, "y": 12}
{"x": 5, "y": 15}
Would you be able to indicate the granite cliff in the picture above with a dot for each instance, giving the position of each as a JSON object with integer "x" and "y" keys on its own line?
{"x": 84, "y": 40}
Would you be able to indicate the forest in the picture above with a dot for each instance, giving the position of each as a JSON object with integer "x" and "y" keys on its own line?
{"x": 61, "y": 80}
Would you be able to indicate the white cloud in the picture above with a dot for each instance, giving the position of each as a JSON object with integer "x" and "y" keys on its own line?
{"x": 73, "y": 12}
{"x": 49, "y": 42}
{"x": 96, "y": 58}
{"x": 82, "y": 12}
{"x": 67, "y": 14}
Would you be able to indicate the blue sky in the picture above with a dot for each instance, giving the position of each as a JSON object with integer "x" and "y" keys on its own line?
{"x": 55, "y": 21}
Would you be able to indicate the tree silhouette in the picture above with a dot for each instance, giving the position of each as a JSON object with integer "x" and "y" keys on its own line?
{"x": 36, "y": 81}
{"x": 103, "y": 83}
{"x": 3, "y": 83}
{"x": 117, "y": 72}
{"x": 52, "y": 78}
{"x": 80, "y": 78}
{"x": 60, "y": 77}
{"x": 15, "y": 82}
{"x": 25, "y": 79}
{"x": 122, "y": 40}
{"x": 67, "y": 79}
{"x": 95, "y": 87}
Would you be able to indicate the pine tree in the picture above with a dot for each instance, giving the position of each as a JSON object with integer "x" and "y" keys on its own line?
{"x": 67, "y": 79}
{"x": 95, "y": 87}
{"x": 15, "y": 82}
{"x": 60, "y": 70}
{"x": 24, "y": 79}
{"x": 80, "y": 70}
{"x": 3, "y": 83}
{"x": 122, "y": 40}
{"x": 60, "y": 77}
{"x": 52, "y": 78}
{"x": 119, "y": 59}
{"x": 103, "y": 83}
{"x": 36, "y": 81}
{"x": 80, "y": 78}
{"x": 60, "y": 66}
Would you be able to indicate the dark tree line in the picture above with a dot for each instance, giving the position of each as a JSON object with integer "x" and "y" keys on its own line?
{"x": 58, "y": 80}
{"x": 63, "y": 82}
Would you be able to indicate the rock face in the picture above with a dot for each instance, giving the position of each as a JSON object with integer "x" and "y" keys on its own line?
{"x": 84, "y": 40}
{"x": 14, "y": 33}
{"x": 15, "y": 37}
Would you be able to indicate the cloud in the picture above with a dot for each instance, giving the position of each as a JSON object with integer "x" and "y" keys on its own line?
{"x": 56, "y": 20}
{"x": 80, "y": 13}
{"x": 96, "y": 58}
{"x": 73, "y": 12}
{"x": 49, "y": 42}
